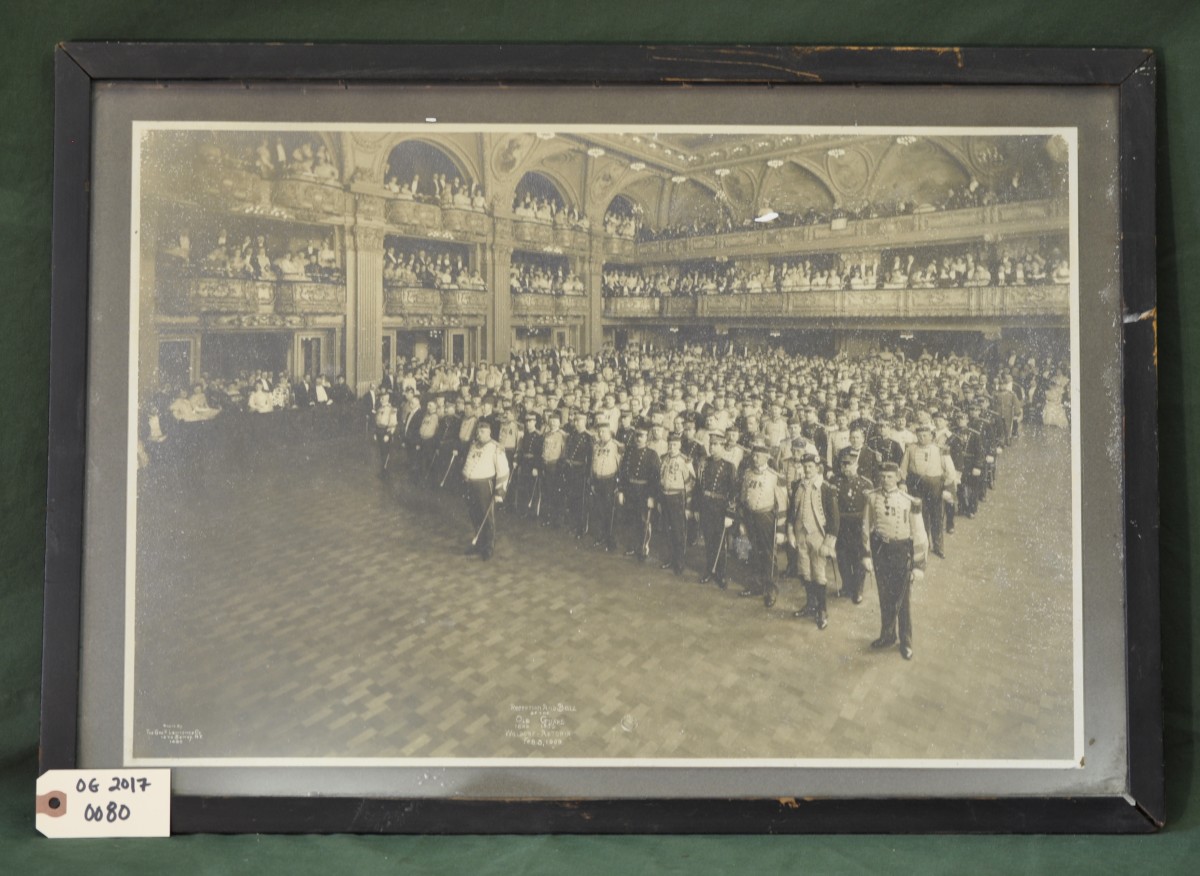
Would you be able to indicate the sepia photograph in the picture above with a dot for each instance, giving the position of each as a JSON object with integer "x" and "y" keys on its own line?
{"x": 604, "y": 445}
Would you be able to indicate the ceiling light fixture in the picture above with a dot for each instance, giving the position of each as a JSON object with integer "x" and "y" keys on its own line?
{"x": 595, "y": 152}
{"x": 637, "y": 165}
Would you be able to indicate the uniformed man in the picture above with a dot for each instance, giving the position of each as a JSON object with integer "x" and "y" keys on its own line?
{"x": 625, "y": 431}
{"x": 676, "y": 479}
{"x": 852, "y": 494}
{"x": 424, "y": 447}
{"x": 893, "y": 539}
{"x": 445, "y": 449}
{"x": 991, "y": 434}
{"x": 529, "y": 455}
{"x": 982, "y": 426}
{"x": 734, "y": 452}
{"x": 467, "y": 429}
{"x": 694, "y": 447}
{"x": 606, "y": 462}
{"x": 575, "y": 466}
{"x": 762, "y": 510}
{"x": 867, "y": 461}
{"x": 638, "y": 480}
{"x": 716, "y": 496}
{"x": 485, "y": 473}
{"x": 964, "y": 448}
{"x": 925, "y": 473}
{"x": 548, "y": 505}
{"x": 813, "y": 533}
{"x": 386, "y": 420}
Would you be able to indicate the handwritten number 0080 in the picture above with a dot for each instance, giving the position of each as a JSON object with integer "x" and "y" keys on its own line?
{"x": 110, "y": 813}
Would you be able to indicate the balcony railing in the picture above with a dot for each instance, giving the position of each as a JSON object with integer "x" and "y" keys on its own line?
{"x": 417, "y": 301}
{"x": 309, "y": 196}
{"x": 527, "y": 306}
{"x": 974, "y": 301}
{"x": 184, "y": 295}
{"x": 1031, "y": 217}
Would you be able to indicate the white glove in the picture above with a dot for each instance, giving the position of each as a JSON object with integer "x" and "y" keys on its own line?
{"x": 499, "y": 498}
{"x": 533, "y": 471}
{"x": 868, "y": 564}
{"x": 917, "y": 574}
{"x": 791, "y": 538}
{"x": 742, "y": 530}
{"x": 976, "y": 472}
{"x": 620, "y": 498}
{"x": 780, "y": 538}
{"x": 728, "y": 522}
{"x": 649, "y": 501}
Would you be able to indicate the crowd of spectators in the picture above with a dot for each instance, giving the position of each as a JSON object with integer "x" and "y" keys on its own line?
{"x": 538, "y": 279}
{"x": 623, "y": 219}
{"x": 1035, "y": 263}
{"x": 424, "y": 266}
{"x": 308, "y": 160}
{"x": 550, "y": 211}
{"x": 437, "y": 189}
{"x": 255, "y": 258}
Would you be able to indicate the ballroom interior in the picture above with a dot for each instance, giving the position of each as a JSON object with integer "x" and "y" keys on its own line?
{"x": 294, "y": 603}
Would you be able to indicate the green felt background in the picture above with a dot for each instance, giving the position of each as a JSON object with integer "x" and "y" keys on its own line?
{"x": 32, "y": 27}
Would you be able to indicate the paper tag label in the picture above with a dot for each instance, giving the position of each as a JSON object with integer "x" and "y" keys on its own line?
{"x": 104, "y": 803}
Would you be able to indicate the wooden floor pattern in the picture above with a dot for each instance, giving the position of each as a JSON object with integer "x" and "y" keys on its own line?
{"x": 295, "y": 605}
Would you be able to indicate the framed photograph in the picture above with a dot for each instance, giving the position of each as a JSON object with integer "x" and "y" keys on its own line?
{"x": 609, "y": 439}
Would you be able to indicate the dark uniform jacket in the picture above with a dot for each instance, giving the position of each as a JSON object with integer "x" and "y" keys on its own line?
{"x": 717, "y": 482}
{"x": 639, "y": 469}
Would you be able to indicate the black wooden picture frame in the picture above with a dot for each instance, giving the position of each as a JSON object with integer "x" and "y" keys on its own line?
{"x": 81, "y": 68}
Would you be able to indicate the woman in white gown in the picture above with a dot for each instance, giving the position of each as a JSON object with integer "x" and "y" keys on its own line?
{"x": 1054, "y": 413}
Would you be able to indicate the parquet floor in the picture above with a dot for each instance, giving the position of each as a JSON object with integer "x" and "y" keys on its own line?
{"x": 295, "y": 605}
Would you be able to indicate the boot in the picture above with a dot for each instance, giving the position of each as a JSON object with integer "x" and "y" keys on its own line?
{"x": 821, "y": 592}
{"x": 810, "y": 602}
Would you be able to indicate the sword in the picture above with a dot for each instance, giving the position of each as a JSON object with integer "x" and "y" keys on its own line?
{"x": 486, "y": 515}
{"x": 720, "y": 547}
{"x": 587, "y": 505}
{"x": 647, "y": 531}
{"x": 612, "y": 515}
{"x": 453, "y": 456}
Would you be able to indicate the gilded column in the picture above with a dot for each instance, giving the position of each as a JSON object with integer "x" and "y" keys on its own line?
{"x": 593, "y": 281}
{"x": 499, "y": 319}
{"x": 364, "y": 306}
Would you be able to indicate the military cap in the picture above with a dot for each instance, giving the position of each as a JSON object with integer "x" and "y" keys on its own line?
{"x": 715, "y": 434}
{"x": 889, "y": 466}
{"x": 675, "y": 436}
{"x": 759, "y": 447}
{"x": 810, "y": 457}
